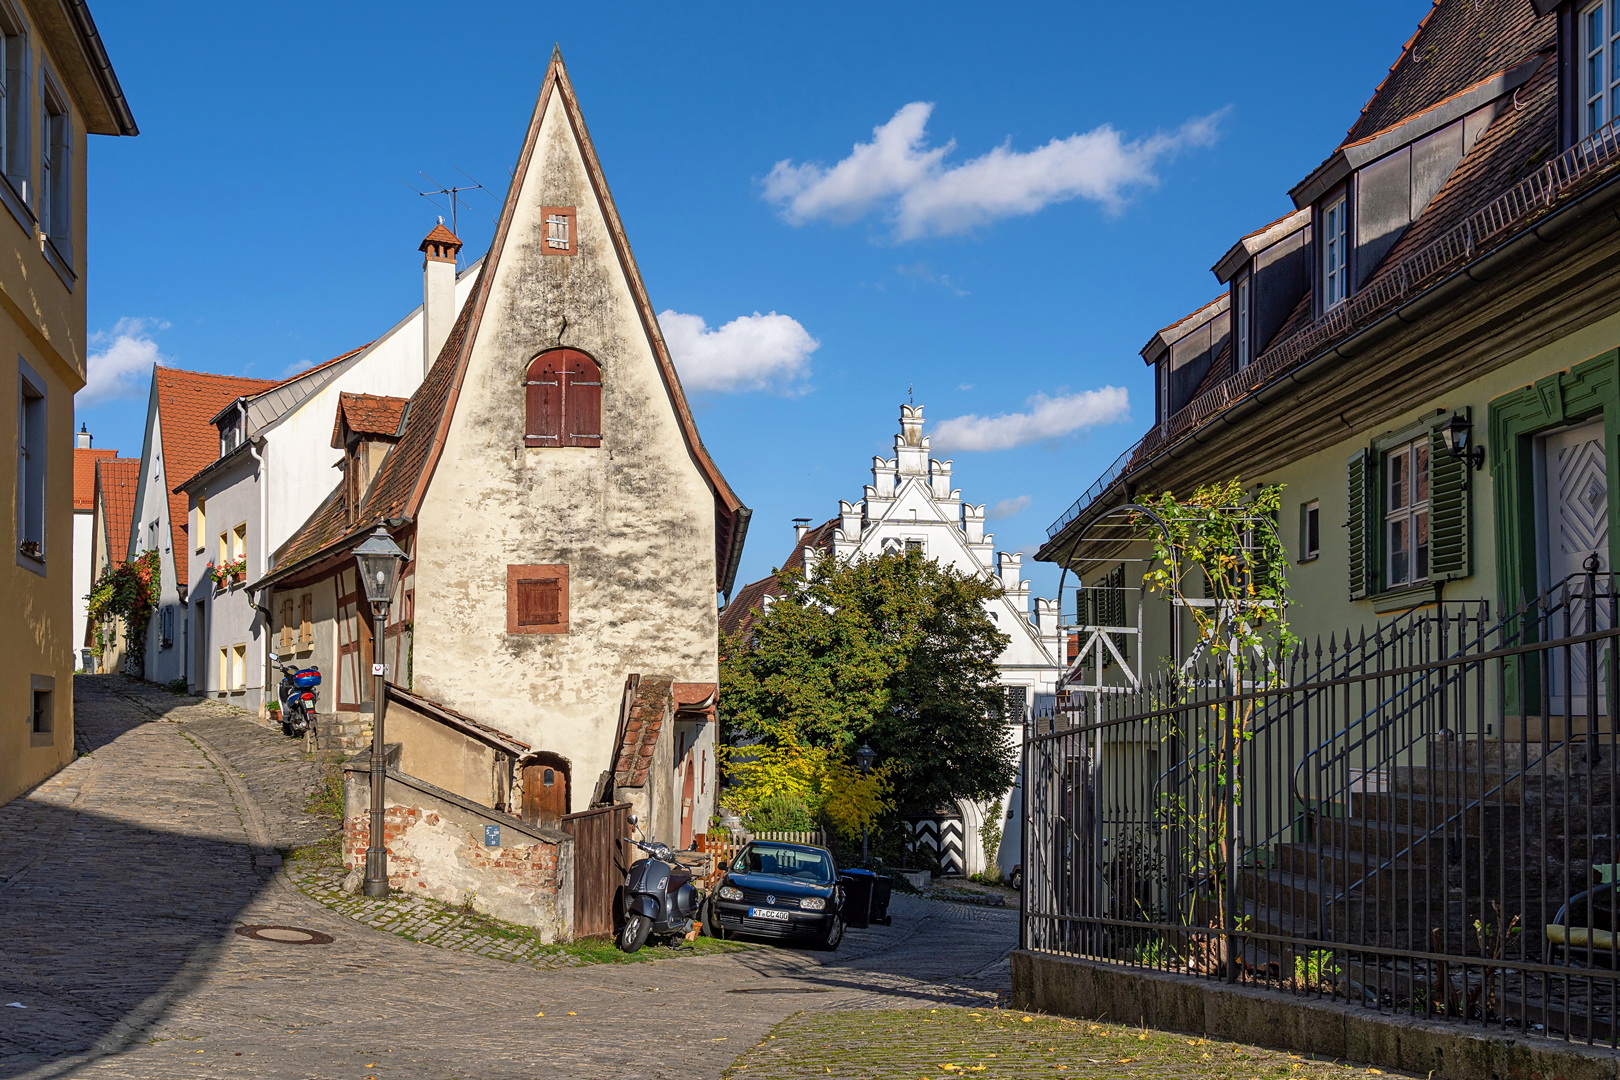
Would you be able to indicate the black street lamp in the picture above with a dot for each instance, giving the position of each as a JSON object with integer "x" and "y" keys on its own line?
{"x": 379, "y": 559}
{"x": 863, "y": 761}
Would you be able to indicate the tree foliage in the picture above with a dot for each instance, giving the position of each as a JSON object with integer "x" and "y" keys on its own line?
{"x": 128, "y": 591}
{"x": 895, "y": 651}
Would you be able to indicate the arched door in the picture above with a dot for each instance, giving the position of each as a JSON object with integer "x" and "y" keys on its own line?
{"x": 545, "y": 790}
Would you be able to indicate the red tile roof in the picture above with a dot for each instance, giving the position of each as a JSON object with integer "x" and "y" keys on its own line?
{"x": 116, "y": 482}
{"x": 440, "y": 235}
{"x": 749, "y": 601}
{"x": 187, "y": 403}
{"x": 652, "y": 702}
{"x": 403, "y": 480}
{"x": 84, "y": 475}
{"x": 367, "y": 414}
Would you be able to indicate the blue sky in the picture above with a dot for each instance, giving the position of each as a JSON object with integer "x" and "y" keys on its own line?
{"x": 1050, "y": 186}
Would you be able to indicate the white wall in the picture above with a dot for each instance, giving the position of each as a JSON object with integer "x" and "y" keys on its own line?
{"x": 83, "y": 577}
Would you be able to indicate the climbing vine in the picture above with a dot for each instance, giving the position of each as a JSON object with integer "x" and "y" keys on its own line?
{"x": 129, "y": 592}
{"x": 1217, "y": 556}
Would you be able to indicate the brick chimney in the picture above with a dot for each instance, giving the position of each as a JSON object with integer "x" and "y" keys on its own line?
{"x": 438, "y": 290}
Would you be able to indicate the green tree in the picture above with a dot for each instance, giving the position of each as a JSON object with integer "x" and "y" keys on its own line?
{"x": 896, "y": 651}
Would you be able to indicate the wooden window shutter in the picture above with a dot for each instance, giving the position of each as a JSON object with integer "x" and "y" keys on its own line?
{"x": 543, "y": 403}
{"x": 286, "y": 623}
{"x": 306, "y": 621}
{"x": 1363, "y": 517}
{"x": 1449, "y": 548}
{"x": 582, "y": 408}
{"x": 537, "y": 599}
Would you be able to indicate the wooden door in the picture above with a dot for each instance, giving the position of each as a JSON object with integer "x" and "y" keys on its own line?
{"x": 601, "y": 859}
{"x": 545, "y": 792}
{"x": 688, "y": 785}
{"x": 1572, "y": 523}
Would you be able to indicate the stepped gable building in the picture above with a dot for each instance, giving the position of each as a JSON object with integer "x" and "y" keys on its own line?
{"x": 911, "y": 505}
{"x": 567, "y": 531}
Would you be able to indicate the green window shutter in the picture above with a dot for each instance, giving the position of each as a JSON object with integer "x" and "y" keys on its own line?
{"x": 1449, "y": 553}
{"x": 1360, "y": 555}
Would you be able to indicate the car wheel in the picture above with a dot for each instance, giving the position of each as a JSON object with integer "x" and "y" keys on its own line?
{"x": 711, "y": 921}
{"x": 633, "y": 935}
{"x": 830, "y": 937}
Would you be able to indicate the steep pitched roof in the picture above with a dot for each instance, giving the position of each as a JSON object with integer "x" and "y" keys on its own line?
{"x": 84, "y": 475}
{"x": 1458, "y": 43}
{"x": 403, "y": 480}
{"x": 187, "y": 403}
{"x": 367, "y": 414}
{"x": 653, "y": 700}
{"x": 745, "y": 607}
{"x": 116, "y": 482}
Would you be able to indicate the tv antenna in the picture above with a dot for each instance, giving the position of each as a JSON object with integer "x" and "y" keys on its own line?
{"x": 453, "y": 191}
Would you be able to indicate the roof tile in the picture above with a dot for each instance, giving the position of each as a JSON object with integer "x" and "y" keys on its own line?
{"x": 116, "y": 482}
{"x": 84, "y": 475}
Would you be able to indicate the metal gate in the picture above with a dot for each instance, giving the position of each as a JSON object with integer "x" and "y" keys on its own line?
{"x": 600, "y": 863}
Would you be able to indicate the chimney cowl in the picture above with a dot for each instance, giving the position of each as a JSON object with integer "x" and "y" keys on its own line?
{"x": 440, "y": 245}
{"x": 83, "y": 439}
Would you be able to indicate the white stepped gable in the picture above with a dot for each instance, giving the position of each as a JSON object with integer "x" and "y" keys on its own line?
{"x": 911, "y": 502}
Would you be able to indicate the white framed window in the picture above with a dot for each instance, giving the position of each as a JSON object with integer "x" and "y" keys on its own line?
{"x": 239, "y": 542}
{"x": 200, "y": 529}
{"x": 1335, "y": 240}
{"x": 238, "y": 668}
{"x": 1242, "y": 334}
{"x": 1406, "y": 514}
{"x": 55, "y": 168}
{"x": 1310, "y": 530}
{"x": 32, "y": 461}
{"x": 1599, "y": 64}
{"x": 16, "y": 70}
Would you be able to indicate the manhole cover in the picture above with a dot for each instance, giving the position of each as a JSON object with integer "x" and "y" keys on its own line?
{"x": 781, "y": 990}
{"x": 285, "y": 935}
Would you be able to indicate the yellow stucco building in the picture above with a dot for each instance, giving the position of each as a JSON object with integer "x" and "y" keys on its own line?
{"x": 58, "y": 88}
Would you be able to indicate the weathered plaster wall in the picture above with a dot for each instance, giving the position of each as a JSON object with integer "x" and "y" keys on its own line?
{"x": 633, "y": 519}
{"x": 436, "y": 848}
{"x": 229, "y": 618}
{"x": 441, "y": 756}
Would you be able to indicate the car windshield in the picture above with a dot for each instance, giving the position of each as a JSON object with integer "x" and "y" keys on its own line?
{"x": 798, "y": 863}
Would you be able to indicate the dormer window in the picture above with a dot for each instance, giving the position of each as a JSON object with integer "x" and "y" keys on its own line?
{"x": 1242, "y": 322}
{"x": 1335, "y": 241}
{"x": 230, "y": 433}
{"x": 1599, "y": 76}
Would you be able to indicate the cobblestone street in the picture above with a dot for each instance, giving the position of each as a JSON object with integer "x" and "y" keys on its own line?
{"x": 145, "y": 853}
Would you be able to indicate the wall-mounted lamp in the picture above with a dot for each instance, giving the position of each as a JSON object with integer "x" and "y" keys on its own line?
{"x": 1458, "y": 433}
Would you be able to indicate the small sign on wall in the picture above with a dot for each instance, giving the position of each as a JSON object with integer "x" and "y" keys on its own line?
{"x": 492, "y": 836}
{"x": 379, "y": 669}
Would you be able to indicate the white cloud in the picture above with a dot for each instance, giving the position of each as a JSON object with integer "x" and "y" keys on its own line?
{"x": 751, "y": 352}
{"x": 1007, "y": 508}
{"x": 120, "y": 361}
{"x": 922, "y": 195}
{"x": 1047, "y": 418}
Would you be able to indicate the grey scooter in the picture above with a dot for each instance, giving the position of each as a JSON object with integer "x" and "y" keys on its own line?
{"x": 659, "y": 898}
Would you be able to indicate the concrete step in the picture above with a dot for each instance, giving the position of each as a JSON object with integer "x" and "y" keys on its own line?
{"x": 1450, "y": 807}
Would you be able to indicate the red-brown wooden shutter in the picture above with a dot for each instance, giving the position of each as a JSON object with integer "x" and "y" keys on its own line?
{"x": 539, "y": 601}
{"x": 582, "y": 411}
{"x": 543, "y": 403}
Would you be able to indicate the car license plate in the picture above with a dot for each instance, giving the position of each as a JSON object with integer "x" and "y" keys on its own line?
{"x": 767, "y": 913}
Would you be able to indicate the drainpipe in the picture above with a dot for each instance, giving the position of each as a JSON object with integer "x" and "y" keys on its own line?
{"x": 258, "y": 601}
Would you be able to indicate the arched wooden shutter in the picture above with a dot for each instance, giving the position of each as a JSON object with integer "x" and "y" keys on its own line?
{"x": 582, "y": 406}
{"x": 543, "y": 402}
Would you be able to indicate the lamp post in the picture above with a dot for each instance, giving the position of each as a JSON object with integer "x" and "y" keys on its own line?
{"x": 379, "y": 559}
{"x": 863, "y": 761}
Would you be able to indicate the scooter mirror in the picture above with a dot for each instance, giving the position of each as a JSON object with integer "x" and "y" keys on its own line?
{"x": 632, "y": 819}
{"x": 274, "y": 659}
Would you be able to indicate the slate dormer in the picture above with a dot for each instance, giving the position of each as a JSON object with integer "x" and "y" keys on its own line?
{"x": 1183, "y": 353}
{"x": 1266, "y": 273}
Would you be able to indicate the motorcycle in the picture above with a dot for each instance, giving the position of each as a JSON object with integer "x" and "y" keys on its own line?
{"x": 297, "y": 696}
{"x": 659, "y": 898}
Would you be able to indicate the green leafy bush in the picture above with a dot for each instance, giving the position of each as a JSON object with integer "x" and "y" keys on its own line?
{"x": 781, "y": 813}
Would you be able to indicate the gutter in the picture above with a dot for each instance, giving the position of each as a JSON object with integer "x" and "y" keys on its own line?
{"x": 101, "y": 64}
{"x": 1548, "y": 230}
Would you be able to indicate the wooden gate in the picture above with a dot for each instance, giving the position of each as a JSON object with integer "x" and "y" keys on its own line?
{"x": 601, "y": 859}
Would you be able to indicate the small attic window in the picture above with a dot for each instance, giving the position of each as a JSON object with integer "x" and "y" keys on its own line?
{"x": 230, "y": 432}
{"x": 558, "y": 227}
{"x": 1335, "y": 240}
{"x": 1599, "y": 75}
{"x": 1242, "y": 324}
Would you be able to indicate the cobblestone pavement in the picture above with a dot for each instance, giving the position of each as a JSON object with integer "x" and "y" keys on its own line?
{"x": 124, "y": 876}
{"x": 995, "y": 1044}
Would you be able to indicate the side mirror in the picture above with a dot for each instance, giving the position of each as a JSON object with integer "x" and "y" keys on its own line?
{"x": 274, "y": 659}
{"x": 633, "y": 819}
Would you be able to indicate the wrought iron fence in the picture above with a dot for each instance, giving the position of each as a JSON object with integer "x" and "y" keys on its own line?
{"x": 1576, "y": 169}
{"x": 1420, "y": 821}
